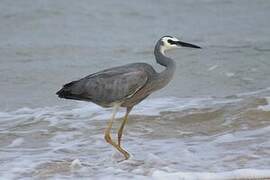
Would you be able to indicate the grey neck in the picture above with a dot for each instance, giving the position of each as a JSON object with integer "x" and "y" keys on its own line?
{"x": 166, "y": 75}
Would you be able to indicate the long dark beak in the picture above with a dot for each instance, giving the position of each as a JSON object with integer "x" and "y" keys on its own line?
{"x": 184, "y": 44}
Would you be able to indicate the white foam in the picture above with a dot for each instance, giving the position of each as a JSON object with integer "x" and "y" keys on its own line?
{"x": 76, "y": 132}
{"x": 75, "y": 164}
{"x": 254, "y": 92}
{"x": 228, "y": 175}
{"x": 86, "y": 111}
{"x": 213, "y": 67}
{"x": 157, "y": 105}
{"x": 229, "y": 74}
{"x": 265, "y": 107}
{"x": 154, "y": 159}
{"x": 16, "y": 142}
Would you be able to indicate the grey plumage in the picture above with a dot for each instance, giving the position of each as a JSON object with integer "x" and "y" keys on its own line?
{"x": 125, "y": 85}
{"x": 110, "y": 85}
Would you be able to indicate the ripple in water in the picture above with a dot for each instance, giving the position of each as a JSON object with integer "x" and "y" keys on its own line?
{"x": 164, "y": 136}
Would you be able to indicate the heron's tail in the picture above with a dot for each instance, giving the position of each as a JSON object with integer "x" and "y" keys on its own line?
{"x": 65, "y": 92}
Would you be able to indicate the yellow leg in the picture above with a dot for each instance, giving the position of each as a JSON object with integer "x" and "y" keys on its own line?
{"x": 120, "y": 131}
{"x": 108, "y": 134}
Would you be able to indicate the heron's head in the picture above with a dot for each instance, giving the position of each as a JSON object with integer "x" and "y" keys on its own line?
{"x": 169, "y": 42}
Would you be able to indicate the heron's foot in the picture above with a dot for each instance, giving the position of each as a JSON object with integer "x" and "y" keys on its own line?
{"x": 119, "y": 148}
{"x": 126, "y": 154}
{"x": 120, "y": 157}
{"x": 120, "y": 132}
{"x": 126, "y": 157}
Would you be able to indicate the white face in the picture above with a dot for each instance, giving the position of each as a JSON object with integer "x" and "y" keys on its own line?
{"x": 166, "y": 45}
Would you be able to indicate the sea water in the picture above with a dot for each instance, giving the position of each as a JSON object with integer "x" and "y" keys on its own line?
{"x": 211, "y": 121}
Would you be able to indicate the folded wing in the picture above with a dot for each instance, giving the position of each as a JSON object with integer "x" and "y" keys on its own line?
{"x": 108, "y": 86}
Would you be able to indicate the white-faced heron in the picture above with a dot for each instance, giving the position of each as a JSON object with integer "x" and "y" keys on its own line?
{"x": 125, "y": 86}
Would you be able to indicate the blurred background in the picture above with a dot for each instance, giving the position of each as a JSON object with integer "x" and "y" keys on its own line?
{"x": 212, "y": 117}
{"x": 44, "y": 44}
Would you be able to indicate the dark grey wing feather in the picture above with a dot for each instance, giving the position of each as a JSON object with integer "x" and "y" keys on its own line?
{"x": 109, "y": 86}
